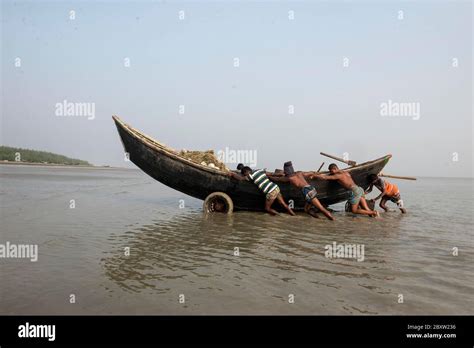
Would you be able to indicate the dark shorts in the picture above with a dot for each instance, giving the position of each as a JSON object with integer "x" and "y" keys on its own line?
{"x": 309, "y": 192}
{"x": 395, "y": 199}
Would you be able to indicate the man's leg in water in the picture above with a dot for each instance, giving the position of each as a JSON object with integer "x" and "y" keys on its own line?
{"x": 357, "y": 210}
{"x": 308, "y": 210}
{"x": 284, "y": 205}
{"x": 363, "y": 204}
{"x": 318, "y": 205}
{"x": 399, "y": 203}
{"x": 268, "y": 206}
{"x": 382, "y": 203}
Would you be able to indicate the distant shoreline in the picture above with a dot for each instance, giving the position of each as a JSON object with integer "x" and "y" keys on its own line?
{"x": 53, "y": 165}
{"x": 57, "y": 165}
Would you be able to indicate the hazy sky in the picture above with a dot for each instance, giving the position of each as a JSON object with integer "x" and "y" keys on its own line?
{"x": 333, "y": 63}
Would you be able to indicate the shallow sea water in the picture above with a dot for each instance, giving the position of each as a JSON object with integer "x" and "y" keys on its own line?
{"x": 181, "y": 251}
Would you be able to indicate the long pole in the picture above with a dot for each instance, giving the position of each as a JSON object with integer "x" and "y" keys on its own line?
{"x": 397, "y": 177}
{"x": 351, "y": 163}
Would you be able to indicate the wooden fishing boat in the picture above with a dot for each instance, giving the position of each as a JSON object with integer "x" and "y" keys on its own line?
{"x": 212, "y": 184}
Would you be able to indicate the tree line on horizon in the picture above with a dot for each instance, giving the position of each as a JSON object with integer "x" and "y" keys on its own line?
{"x": 33, "y": 156}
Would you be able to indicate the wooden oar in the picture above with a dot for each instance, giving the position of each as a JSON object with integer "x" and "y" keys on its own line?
{"x": 351, "y": 163}
{"x": 322, "y": 164}
{"x": 397, "y": 177}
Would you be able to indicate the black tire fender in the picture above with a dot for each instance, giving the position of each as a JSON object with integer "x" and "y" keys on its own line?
{"x": 216, "y": 200}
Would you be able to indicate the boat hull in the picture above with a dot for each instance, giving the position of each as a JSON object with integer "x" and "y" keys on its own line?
{"x": 199, "y": 181}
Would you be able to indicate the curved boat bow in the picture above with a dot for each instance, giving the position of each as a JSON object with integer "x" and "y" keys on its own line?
{"x": 168, "y": 167}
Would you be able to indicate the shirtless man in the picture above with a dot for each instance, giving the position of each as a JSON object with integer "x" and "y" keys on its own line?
{"x": 298, "y": 179}
{"x": 357, "y": 199}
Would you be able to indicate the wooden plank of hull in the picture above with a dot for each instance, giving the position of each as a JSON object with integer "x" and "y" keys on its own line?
{"x": 200, "y": 181}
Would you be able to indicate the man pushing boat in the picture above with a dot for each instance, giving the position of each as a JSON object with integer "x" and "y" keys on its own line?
{"x": 388, "y": 192}
{"x": 357, "y": 198}
{"x": 269, "y": 188}
{"x": 298, "y": 179}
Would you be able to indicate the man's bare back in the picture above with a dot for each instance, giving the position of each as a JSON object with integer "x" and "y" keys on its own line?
{"x": 357, "y": 199}
{"x": 298, "y": 180}
{"x": 344, "y": 179}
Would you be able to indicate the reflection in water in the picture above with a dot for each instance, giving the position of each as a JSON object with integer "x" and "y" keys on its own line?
{"x": 189, "y": 244}
{"x": 195, "y": 250}
{"x": 194, "y": 253}
{"x": 181, "y": 251}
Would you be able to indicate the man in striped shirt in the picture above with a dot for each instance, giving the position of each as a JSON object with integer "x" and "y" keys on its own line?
{"x": 269, "y": 188}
